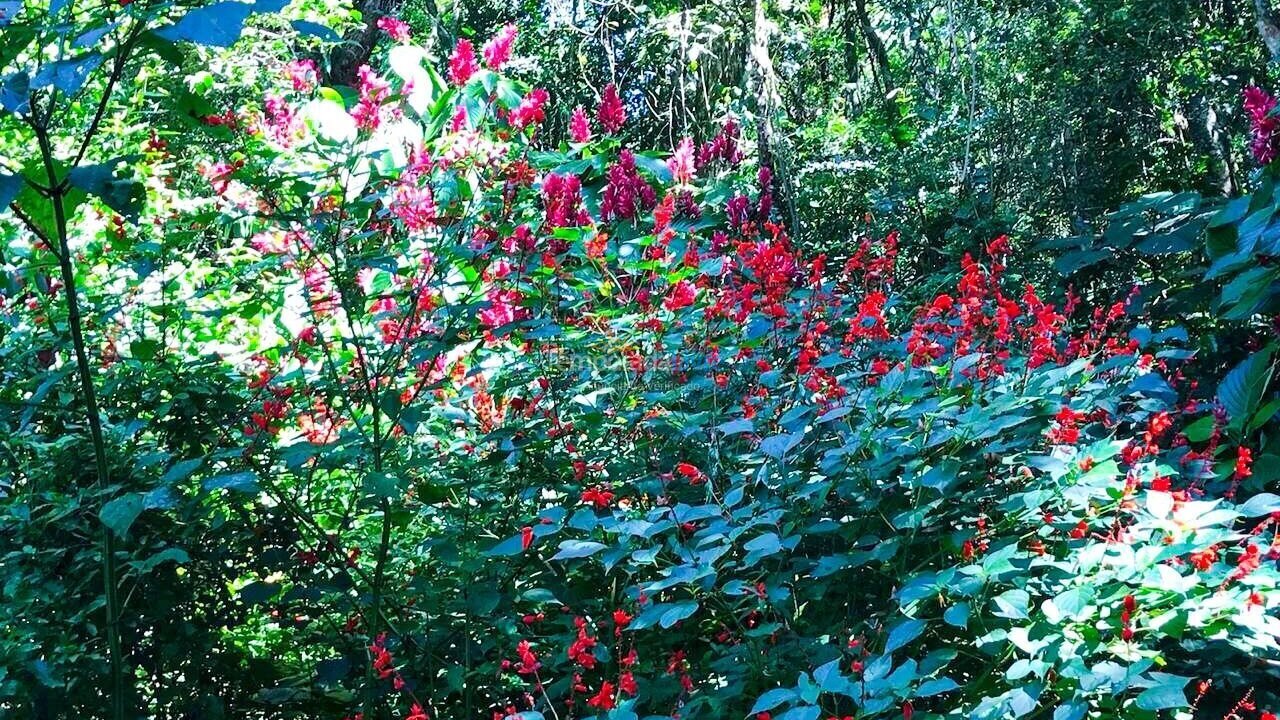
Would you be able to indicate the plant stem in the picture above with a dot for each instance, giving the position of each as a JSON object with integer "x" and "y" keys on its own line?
{"x": 90, "y": 398}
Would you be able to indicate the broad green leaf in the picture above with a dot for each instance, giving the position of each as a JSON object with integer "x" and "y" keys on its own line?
{"x": 903, "y": 633}
{"x": 118, "y": 514}
{"x": 571, "y": 549}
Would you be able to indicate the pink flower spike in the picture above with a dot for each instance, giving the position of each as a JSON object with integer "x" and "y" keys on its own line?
{"x": 681, "y": 162}
{"x": 612, "y": 114}
{"x": 498, "y": 50}
{"x": 462, "y": 65}
{"x": 579, "y": 126}
{"x": 396, "y": 28}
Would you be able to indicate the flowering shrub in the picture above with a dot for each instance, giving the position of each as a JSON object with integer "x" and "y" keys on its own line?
{"x": 577, "y": 431}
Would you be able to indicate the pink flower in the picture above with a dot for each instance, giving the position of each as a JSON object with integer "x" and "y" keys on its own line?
{"x": 374, "y": 91}
{"x": 1259, "y": 104}
{"x": 579, "y": 126}
{"x": 414, "y": 205}
{"x": 562, "y": 197}
{"x": 681, "y": 162}
{"x": 459, "y": 121}
{"x": 498, "y": 50}
{"x": 504, "y": 309}
{"x": 611, "y": 113}
{"x": 626, "y": 194}
{"x": 396, "y": 28}
{"x": 303, "y": 74}
{"x": 681, "y": 295}
{"x": 462, "y": 65}
{"x": 530, "y": 111}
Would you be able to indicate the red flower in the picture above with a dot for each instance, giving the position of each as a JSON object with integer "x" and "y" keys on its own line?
{"x": 416, "y": 713}
{"x": 382, "y": 661}
{"x": 627, "y": 683}
{"x": 581, "y": 651}
{"x": 626, "y": 193}
{"x": 1067, "y": 430}
{"x": 603, "y": 699}
{"x": 907, "y": 711}
{"x": 1248, "y": 562}
{"x": 689, "y": 470}
{"x": 526, "y": 537}
{"x": 1204, "y": 559}
{"x": 611, "y": 113}
{"x": 598, "y": 497}
{"x": 621, "y": 619}
{"x": 528, "y": 664}
{"x": 1244, "y": 463}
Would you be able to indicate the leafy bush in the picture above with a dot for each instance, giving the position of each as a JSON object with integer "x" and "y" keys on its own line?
{"x": 421, "y": 414}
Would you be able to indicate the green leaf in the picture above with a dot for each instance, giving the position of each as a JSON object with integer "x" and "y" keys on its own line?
{"x": 216, "y": 25}
{"x": 903, "y": 633}
{"x": 766, "y": 544}
{"x": 1166, "y": 693}
{"x": 315, "y": 29}
{"x": 15, "y": 93}
{"x": 119, "y": 514}
{"x": 242, "y": 481}
{"x": 571, "y": 549}
{"x": 10, "y": 186}
{"x": 1241, "y": 391}
{"x": 332, "y": 670}
{"x": 654, "y": 165}
{"x": 1200, "y": 430}
{"x": 122, "y": 195}
{"x": 68, "y": 75}
{"x": 181, "y": 470}
{"x": 513, "y": 545}
{"x": 383, "y": 485}
{"x": 258, "y": 592}
{"x": 957, "y": 615}
{"x": 776, "y": 446}
{"x": 1230, "y": 213}
{"x": 177, "y": 555}
{"x": 1259, "y": 505}
{"x": 1013, "y": 604}
{"x": 936, "y": 687}
{"x": 1070, "y": 711}
{"x": 773, "y": 699}
{"x": 804, "y": 712}
{"x": 677, "y": 612}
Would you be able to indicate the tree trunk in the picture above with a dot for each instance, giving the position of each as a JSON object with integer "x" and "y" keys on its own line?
{"x": 1267, "y": 26}
{"x": 357, "y": 46}
{"x": 875, "y": 45}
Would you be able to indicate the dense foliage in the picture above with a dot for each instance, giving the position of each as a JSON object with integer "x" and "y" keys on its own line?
{"x": 385, "y": 378}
